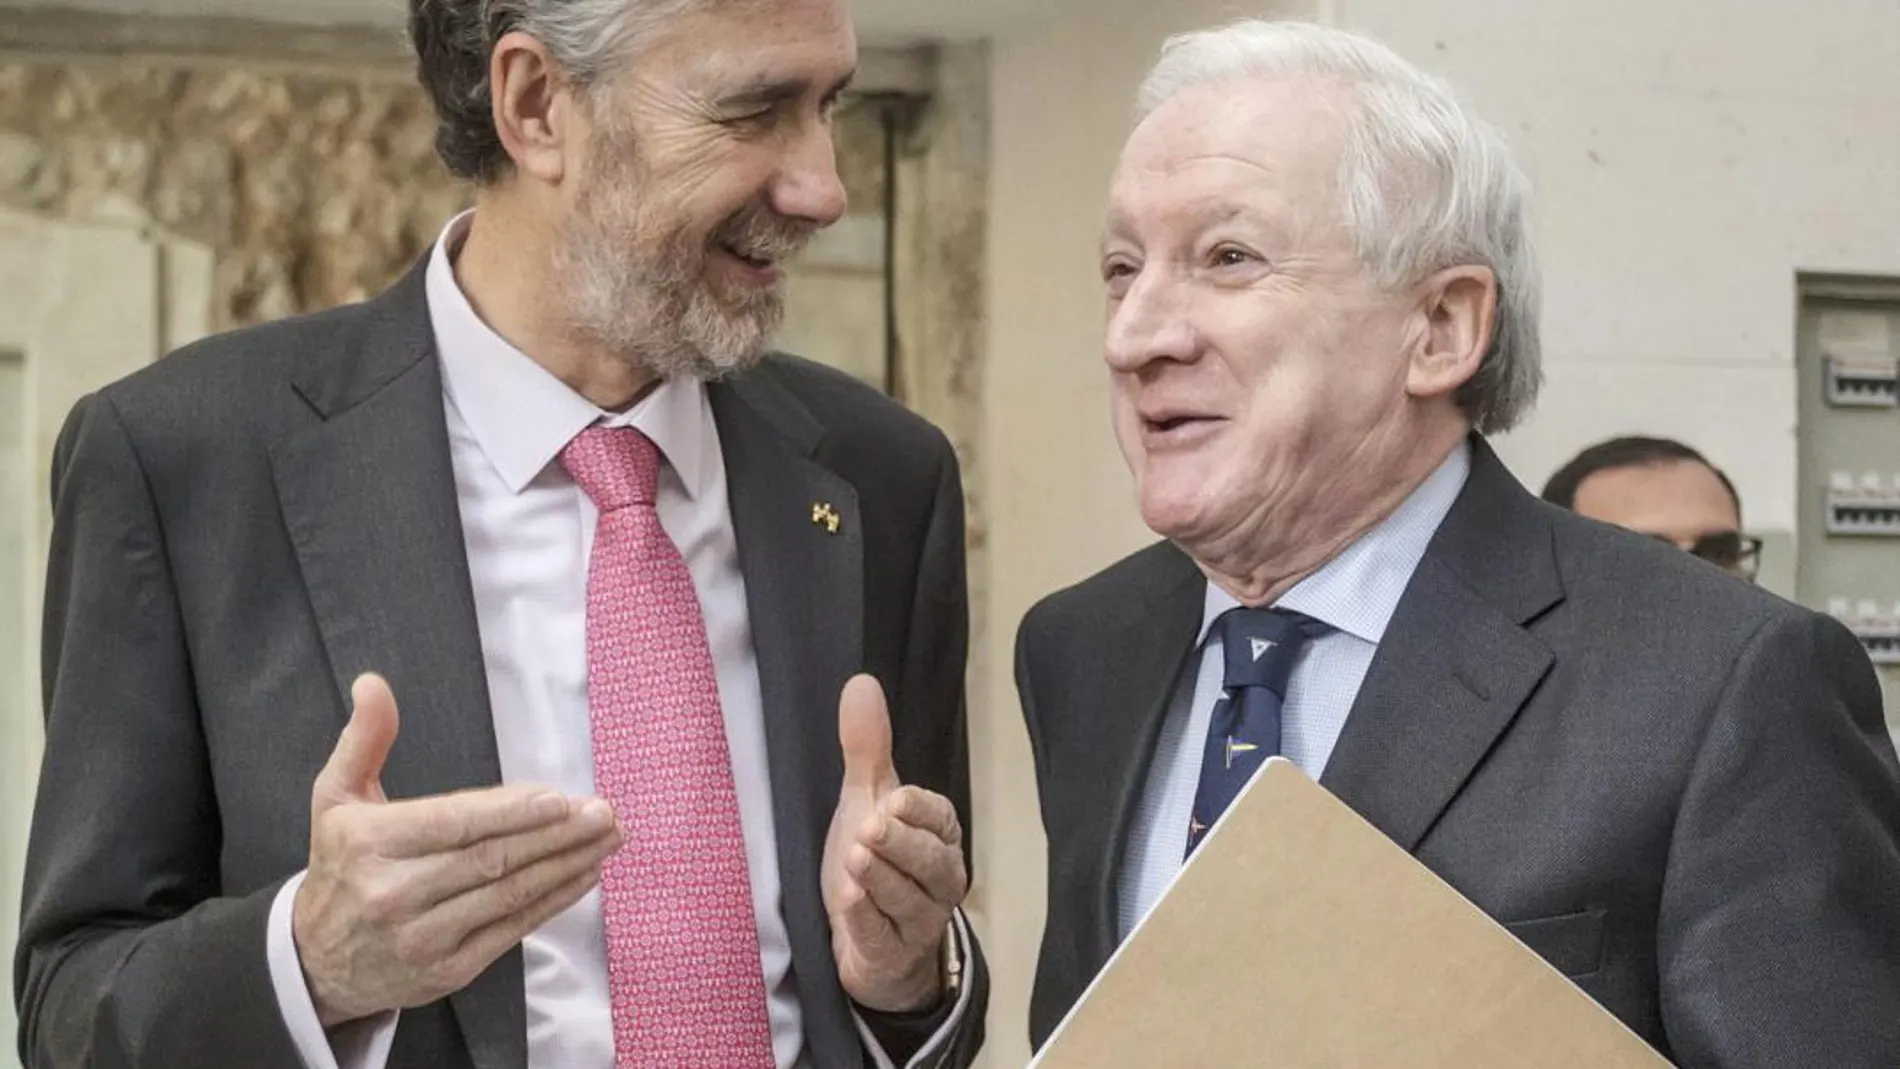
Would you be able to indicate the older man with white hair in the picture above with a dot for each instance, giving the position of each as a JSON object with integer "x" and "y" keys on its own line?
{"x": 1322, "y": 297}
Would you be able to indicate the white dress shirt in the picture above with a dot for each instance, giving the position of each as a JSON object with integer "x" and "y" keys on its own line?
{"x": 1357, "y": 593}
{"x": 529, "y": 530}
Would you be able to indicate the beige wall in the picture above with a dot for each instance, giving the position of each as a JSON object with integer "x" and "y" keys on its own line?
{"x": 79, "y": 305}
{"x": 1690, "y": 158}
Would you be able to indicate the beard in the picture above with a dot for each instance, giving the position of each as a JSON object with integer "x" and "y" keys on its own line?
{"x": 636, "y": 281}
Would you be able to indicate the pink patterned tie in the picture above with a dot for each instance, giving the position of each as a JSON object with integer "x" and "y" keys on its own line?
{"x": 682, "y": 944}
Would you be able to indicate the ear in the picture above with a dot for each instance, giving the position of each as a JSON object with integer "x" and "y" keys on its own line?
{"x": 536, "y": 114}
{"x": 1460, "y": 309}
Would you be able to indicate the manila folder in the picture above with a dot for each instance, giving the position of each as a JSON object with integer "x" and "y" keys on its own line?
{"x": 1300, "y": 937}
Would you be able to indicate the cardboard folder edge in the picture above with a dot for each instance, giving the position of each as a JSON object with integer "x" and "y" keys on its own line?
{"x": 1279, "y": 774}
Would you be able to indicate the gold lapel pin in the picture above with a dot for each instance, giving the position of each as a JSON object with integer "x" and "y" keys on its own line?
{"x": 823, "y": 516}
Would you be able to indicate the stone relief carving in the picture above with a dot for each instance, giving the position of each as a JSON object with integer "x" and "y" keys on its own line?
{"x": 311, "y": 189}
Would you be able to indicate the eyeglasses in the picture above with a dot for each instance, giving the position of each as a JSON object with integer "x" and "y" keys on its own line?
{"x": 1730, "y": 550}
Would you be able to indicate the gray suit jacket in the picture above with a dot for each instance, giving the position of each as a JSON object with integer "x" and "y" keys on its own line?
{"x": 1675, "y": 787}
{"x": 245, "y": 526}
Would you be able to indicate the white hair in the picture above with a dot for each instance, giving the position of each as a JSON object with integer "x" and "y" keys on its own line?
{"x": 1425, "y": 183}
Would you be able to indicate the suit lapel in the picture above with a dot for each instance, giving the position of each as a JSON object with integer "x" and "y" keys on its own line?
{"x": 368, "y": 497}
{"x": 805, "y": 598}
{"x": 1140, "y": 663}
{"x": 1456, "y": 664}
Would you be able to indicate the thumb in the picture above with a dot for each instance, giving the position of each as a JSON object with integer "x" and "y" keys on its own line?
{"x": 355, "y": 769}
{"x": 864, "y": 732}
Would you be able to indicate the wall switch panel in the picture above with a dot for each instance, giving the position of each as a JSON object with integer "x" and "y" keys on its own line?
{"x": 1878, "y": 630}
{"x": 1863, "y": 382}
{"x": 1847, "y": 454}
{"x": 1867, "y": 506}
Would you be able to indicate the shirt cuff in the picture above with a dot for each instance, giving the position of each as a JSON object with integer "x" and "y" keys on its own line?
{"x": 933, "y": 1047}
{"x": 360, "y": 1044}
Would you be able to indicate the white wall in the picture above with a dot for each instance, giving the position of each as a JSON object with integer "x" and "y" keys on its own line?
{"x": 83, "y": 305}
{"x": 1690, "y": 157}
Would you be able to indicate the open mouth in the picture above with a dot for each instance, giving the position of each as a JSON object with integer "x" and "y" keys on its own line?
{"x": 1178, "y": 432}
{"x": 1169, "y": 424}
{"x": 761, "y": 263}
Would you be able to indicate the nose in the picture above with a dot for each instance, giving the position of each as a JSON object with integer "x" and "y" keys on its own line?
{"x": 1151, "y": 322}
{"x": 808, "y": 186}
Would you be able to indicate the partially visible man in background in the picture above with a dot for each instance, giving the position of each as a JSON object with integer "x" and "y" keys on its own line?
{"x": 618, "y": 565}
{"x": 1664, "y": 489}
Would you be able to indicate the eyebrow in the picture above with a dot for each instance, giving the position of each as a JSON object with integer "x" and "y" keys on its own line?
{"x": 1120, "y": 223}
{"x": 772, "y": 93}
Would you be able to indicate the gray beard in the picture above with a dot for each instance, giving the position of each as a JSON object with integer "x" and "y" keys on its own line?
{"x": 653, "y": 311}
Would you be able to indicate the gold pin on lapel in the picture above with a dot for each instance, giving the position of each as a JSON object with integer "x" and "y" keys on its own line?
{"x": 823, "y": 516}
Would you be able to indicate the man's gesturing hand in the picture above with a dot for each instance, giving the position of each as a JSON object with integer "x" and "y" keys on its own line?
{"x": 406, "y": 902}
{"x": 893, "y": 868}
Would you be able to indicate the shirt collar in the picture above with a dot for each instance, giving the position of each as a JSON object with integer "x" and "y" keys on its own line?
{"x": 1359, "y": 589}
{"x": 520, "y": 415}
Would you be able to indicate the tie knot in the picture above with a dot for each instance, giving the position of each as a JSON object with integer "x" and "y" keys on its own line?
{"x": 615, "y": 466}
{"x": 1262, "y": 644}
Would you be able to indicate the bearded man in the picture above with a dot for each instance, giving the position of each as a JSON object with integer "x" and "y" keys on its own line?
{"x": 641, "y": 589}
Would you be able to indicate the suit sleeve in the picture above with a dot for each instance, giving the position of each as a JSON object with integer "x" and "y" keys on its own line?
{"x": 937, "y": 656}
{"x": 1026, "y": 692}
{"x": 128, "y": 955}
{"x": 937, "y": 754}
{"x": 1779, "y": 935}
{"x": 1043, "y": 1012}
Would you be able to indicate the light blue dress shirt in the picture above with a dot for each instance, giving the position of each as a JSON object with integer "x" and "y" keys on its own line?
{"x": 1357, "y": 593}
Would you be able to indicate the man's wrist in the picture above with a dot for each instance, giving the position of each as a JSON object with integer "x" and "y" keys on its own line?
{"x": 915, "y": 995}
{"x": 329, "y": 1016}
{"x": 897, "y": 1037}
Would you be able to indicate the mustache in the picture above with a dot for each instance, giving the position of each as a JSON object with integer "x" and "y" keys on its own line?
{"x": 763, "y": 234}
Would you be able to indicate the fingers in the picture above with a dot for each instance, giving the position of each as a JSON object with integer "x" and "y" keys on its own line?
{"x": 906, "y": 907}
{"x": 448, "y": 822}
{"x": 518, "y": 893}
{"x": 355, "y": 769}
{"x": 921, "y": 856}
{"x": 864, "y": 733}
{"x": 855, "y": 917}
{"x": 439, "y": 877}
{"x": 926, "y": 811}
{"x": 483, "y": 946}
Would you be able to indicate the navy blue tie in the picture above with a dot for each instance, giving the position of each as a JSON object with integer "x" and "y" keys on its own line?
{"x": 1260, "y": 646}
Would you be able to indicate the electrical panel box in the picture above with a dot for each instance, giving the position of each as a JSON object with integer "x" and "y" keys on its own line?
{"x": 1877, "y": 629}
{"x": 1867, "y": 506}
{"x": 1848, "y": 532}
{"x": 1863, "y": 382}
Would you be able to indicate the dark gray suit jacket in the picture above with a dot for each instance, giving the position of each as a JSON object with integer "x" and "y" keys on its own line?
{"x": 245, "y": 526}
{"x": 1675, "y": 787}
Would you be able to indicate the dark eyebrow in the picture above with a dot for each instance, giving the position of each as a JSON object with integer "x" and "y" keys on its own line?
{"x": 778, "y": 92}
